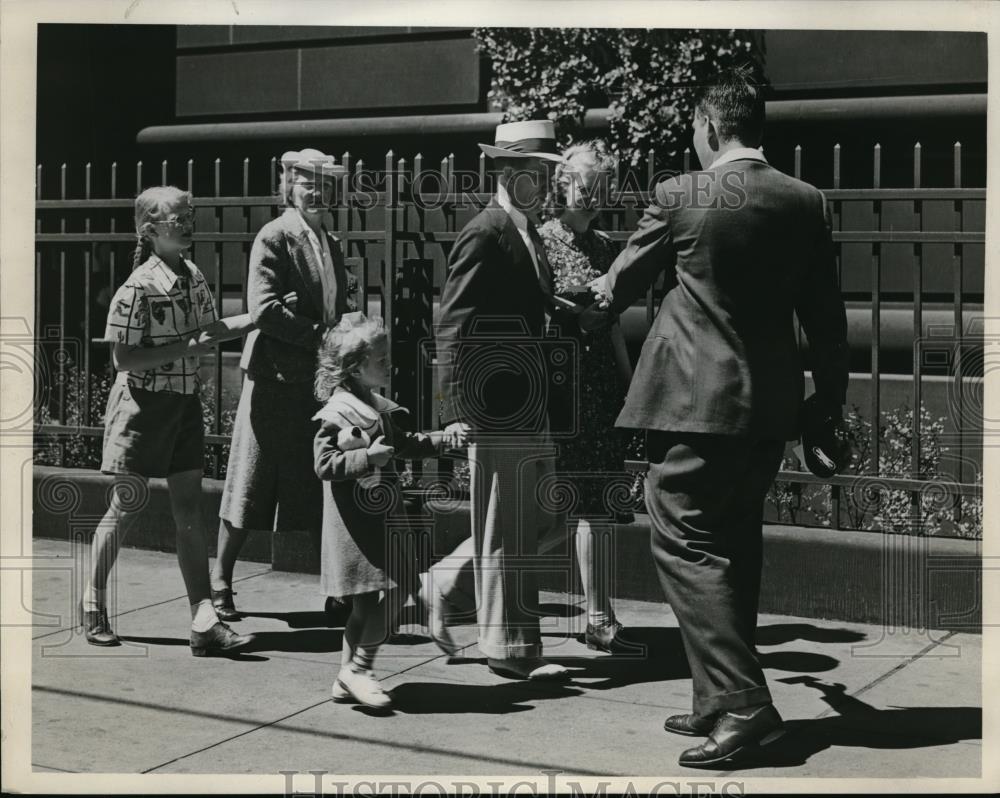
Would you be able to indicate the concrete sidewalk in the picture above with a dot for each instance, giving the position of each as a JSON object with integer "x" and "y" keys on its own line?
{"x": 858, "y": 701}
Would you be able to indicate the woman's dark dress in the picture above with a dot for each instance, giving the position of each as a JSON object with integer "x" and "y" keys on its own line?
{"x": 592, "y": 460}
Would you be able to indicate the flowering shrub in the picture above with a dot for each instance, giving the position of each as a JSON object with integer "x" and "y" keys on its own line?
{"x": 881, "y": 508}
{"x": 648, "y": 78}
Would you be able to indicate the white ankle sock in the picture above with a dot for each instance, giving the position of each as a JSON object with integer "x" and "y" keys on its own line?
{"x": 203, "y": 616}
{"x": 94, "y": 600}
{"x": 596, "y": 619}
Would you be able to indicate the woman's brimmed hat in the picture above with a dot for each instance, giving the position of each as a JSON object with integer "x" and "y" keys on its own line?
{"x": 312, "y": 162}
{"x": 535, "y": 138}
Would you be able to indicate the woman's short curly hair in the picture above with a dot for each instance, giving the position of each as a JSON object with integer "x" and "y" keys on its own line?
{"x": 584, "y": 156}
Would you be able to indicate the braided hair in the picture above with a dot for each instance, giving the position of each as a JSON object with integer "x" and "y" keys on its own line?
{"x": 153, "y": 205}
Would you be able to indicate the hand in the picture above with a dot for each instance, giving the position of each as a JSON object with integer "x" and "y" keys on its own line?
{"x": 198, "y": 343}
{"x": 291, "y": 300}
{"x": 599, "y": 288}
{"x": 378, "y": 453}
{"x": 593, "y": 318}
{"x": 456, "y": 435}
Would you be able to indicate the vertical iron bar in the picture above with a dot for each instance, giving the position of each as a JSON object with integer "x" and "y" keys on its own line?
{"x": 389, "y": 254}
{"x": 217, "y": 248}
{"x": 344, "y": 212}
{"x": 918, "y": 331}
{"x": 958, "y": 276}
{"x": 798, "y": 161}
{"x": 62, "y": 317}
{"x": 88, "y": 255}
{"x": 876, "y": 314}
{"x": 38, "y": 257}
{"x": 112, "y": 227}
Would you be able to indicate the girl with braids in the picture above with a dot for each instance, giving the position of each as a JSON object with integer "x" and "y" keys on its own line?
{"x": 362, "y": 563}
{"x": 159, "y": 321}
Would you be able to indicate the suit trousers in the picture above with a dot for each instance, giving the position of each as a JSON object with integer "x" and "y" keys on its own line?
{"x": 507, "y": 476}
{"x": 705, "y": 496}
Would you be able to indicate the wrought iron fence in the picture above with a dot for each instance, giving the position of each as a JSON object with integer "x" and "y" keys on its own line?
{"x": 918, "y": 248}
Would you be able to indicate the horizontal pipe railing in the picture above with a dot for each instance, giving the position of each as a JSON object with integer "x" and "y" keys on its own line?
{"x": 381, "y": 215}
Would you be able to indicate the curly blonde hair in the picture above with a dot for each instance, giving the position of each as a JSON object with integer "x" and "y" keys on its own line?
{"x": 343, "y": 350}
{"x": 584, "y": 156}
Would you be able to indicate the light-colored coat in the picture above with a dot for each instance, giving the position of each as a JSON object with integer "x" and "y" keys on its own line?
{"x": 358, "y": 499}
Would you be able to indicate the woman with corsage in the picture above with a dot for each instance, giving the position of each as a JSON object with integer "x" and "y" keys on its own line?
{"x": 592, "y": 460}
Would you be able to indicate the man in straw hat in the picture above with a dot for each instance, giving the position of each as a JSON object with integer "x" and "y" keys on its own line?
{"x": 493, "y": 394}
{"x": 296, "y": 289}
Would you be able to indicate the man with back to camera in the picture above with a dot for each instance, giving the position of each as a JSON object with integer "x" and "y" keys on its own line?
{"x": 719, "y": 389}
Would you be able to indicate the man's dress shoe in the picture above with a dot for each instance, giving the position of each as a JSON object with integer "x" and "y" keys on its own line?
{"x": 690, "y": 725}
{"x": 735, "y": 736}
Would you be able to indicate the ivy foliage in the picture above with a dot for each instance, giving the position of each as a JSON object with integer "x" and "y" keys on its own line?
{"x": 647, "y": 77}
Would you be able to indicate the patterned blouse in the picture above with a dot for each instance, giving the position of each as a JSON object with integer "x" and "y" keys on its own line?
{"x": 157, "y": 306}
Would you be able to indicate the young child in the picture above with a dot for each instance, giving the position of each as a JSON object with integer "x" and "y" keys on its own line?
{"x": 160, "y": 321}
{"x": 353, "y": 452}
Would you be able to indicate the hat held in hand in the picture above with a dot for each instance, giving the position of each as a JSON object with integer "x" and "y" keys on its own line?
{"x": 823, "y": 450}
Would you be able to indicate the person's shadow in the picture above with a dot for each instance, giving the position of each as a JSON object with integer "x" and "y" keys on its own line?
{"x": 860, "y": 725}
{"x": 437, "y": 698}
{"x": 657, "y": 654}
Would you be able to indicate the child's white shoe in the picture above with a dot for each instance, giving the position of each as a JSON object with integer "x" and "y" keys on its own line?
{"x": 362, "y": 686}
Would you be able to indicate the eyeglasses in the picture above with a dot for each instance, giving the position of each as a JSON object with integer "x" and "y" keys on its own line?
{"x": 177, "y": 220}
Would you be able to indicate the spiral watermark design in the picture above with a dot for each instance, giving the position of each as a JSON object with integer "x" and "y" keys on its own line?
{"x": 446, "y": 494}
{"x": 376, "y": 497}
{"x": 936, "y": 496}
{"x": 59, "y": 494}
{"x": 617, "y": 496}
{"x": 557, "y": 493}
{"x": 870, "y": 495}
{"x": 129, "y": 493}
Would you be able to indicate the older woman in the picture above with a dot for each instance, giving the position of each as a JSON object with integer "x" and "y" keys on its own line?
{"x": 296, "y": 289}
{"x": 593, "y": 460}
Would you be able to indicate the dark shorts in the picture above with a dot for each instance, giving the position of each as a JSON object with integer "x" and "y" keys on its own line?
{"x": 152, "y": 433}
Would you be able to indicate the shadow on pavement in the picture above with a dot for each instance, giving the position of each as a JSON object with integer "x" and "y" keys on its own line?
{"x": 860, "y": 725}
{"x": 777, "y": 633}
{"x": 435, "y": 698}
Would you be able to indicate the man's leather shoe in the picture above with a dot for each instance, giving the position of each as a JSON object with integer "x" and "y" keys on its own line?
{"x": 220, "y": 639}
{"x": 607, "y": 638}
{"x": 97, "y": 627}
{"x": 735, "y": 736}
{"x": 690, "y": 725}
{"x": 222, "y": 600}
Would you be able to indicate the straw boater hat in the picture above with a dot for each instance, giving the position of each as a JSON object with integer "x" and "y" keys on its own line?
{"x": 535, "y": 138}
{"x": 311, "y": 162}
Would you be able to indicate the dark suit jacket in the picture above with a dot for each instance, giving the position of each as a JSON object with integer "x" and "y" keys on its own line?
{"x": 744, "y": 246}
{"x": 284, "y": 345}
{"x": 491, "y": 348}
